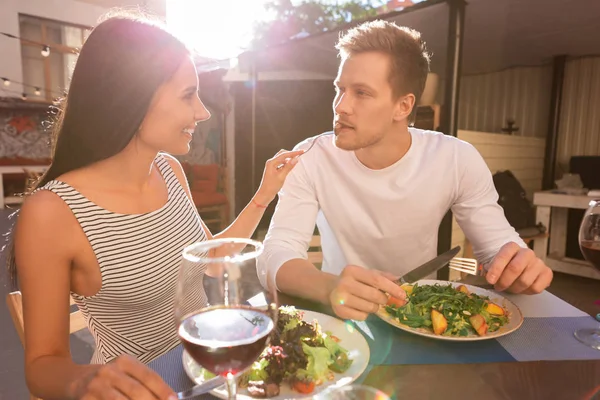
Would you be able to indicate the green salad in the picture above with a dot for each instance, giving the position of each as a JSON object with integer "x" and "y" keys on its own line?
{"x": 300, "y": 355}
{"x": 449, "y": 311}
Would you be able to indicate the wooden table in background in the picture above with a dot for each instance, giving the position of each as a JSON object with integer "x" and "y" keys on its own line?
{"x": 552, "y": 210}
{"x": 15, "y": 169}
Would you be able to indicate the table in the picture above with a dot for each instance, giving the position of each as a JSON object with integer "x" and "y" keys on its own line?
{"x": 15, "y": 169}
{"x": 407, "y": 374}
{"x": 551, "y": 211}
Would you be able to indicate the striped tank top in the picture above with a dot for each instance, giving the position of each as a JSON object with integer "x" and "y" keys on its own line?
{"x": 139, "y": 257}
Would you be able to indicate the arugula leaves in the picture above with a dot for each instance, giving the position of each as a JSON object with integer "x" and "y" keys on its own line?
{"x": 457, "y": 307}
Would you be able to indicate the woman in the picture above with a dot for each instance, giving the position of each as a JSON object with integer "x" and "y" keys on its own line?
{"x": 109, "y": 219}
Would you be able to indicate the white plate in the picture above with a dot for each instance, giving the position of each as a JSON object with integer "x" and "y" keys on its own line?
{"x": 350, "y": 339}
{"x": 515, "y": 316}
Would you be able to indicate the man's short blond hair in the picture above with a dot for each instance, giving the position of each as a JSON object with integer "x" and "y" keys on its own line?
{"x": 409, "y": 58}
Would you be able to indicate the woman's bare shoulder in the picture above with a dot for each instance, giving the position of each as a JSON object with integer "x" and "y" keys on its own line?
{"x": 78, "y": 177}
{"x": 45, "y": 209}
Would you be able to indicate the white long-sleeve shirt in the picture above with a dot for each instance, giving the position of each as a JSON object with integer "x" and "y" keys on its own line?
{"x": 385, "y": 219}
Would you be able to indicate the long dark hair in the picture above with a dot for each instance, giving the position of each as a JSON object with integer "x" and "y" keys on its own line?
{"x": 120, "y": 66}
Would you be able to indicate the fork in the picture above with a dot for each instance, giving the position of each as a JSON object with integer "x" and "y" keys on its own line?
{"x": 467, "y": 265}
{"x": 309, "y": 147}
{"x": 471, "y": 267}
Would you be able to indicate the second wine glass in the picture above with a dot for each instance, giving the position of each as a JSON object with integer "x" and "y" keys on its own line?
{"x": 589, "y": 243}
{"x": 224, "y": 316}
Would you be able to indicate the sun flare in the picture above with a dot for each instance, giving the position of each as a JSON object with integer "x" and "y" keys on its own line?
{"x": 218, "y": 29}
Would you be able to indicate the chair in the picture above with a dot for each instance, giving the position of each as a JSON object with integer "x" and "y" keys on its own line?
{"x": 468, "y": 251}
{"x": 315, "y": 253}
{"x": 529, "y": 239}
{"x": 212, "y": 205}
{"x": 14, "y": 301}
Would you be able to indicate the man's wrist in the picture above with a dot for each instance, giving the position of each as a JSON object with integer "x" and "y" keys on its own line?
{"x": 329, "y": 284}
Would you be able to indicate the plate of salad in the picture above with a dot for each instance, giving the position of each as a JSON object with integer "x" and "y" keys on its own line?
{"x": 308, "y": 353}
{"x": 452, "y": 311}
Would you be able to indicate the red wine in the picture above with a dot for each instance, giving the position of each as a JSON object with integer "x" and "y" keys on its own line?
{"x": 225, "y": 340}
{"x": 591, "y": 252}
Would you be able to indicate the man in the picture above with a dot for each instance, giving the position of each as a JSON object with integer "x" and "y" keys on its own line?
{"x": 378, "y": 189}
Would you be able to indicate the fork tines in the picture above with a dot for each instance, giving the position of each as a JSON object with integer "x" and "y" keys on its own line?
{"x": 466, "y": 265}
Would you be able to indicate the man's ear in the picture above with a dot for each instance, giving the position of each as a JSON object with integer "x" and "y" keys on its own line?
{"x": 404, "y": 107}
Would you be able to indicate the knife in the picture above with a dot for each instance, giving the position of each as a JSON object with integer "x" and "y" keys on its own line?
{"x": 429, "y": 267}
{"x": 202, "y": 388}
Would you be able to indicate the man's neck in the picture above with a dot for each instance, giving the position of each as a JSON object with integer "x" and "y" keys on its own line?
{"x": 387, "y": 151}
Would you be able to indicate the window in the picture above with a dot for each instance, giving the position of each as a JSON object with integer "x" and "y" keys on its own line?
{"x": 51, "y": 73}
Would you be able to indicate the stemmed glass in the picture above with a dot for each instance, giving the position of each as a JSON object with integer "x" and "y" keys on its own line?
{"x": 225, "y": 318}
{"x": 589, "y": 242}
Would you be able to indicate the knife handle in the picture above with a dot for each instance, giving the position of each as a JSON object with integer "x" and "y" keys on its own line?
{"x": 400, "y": 281}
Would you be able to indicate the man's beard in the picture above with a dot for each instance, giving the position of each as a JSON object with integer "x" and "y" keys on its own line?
{"x": 356, "y": 143}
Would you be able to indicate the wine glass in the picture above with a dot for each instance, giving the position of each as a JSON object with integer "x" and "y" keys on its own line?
{"x": 352, "y": 392}
{"x": 589, "y": 242}
{"x": 225, "y": 318}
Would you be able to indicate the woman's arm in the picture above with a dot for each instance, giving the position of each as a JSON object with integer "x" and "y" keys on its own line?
{"x": 43, "y": 257}
{"x": 246, "y": 222}
{"x": 45, "y": 247}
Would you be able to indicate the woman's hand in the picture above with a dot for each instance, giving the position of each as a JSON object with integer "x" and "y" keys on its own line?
{"x": 124, "y": 378}
{"x": 273, "y": 177}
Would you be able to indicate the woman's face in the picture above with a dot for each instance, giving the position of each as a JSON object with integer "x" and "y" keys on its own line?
{"x": 174, "y": 112}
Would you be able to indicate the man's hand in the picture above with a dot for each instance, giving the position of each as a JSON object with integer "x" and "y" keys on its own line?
{"x": 518, "y": 270}
{"x": 359, "y": 292}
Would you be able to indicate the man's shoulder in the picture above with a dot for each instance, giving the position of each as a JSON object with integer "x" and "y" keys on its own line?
{"x": 438, "y": 140}
{"x": 432, "y": 136}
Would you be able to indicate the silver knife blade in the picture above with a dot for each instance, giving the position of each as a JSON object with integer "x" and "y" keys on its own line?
{"x": 202, "y": 388}
{"x": 429, "y": 267}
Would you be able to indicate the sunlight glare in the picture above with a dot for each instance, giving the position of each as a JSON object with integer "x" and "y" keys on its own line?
{"x": 217, "y": 29}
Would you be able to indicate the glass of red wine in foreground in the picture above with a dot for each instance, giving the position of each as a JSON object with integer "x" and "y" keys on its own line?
{"x": 224, "y": 316}
{"x": 589, "y": 242}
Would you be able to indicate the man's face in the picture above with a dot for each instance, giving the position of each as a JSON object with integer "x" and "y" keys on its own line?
{"x": 364, "y": 108}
